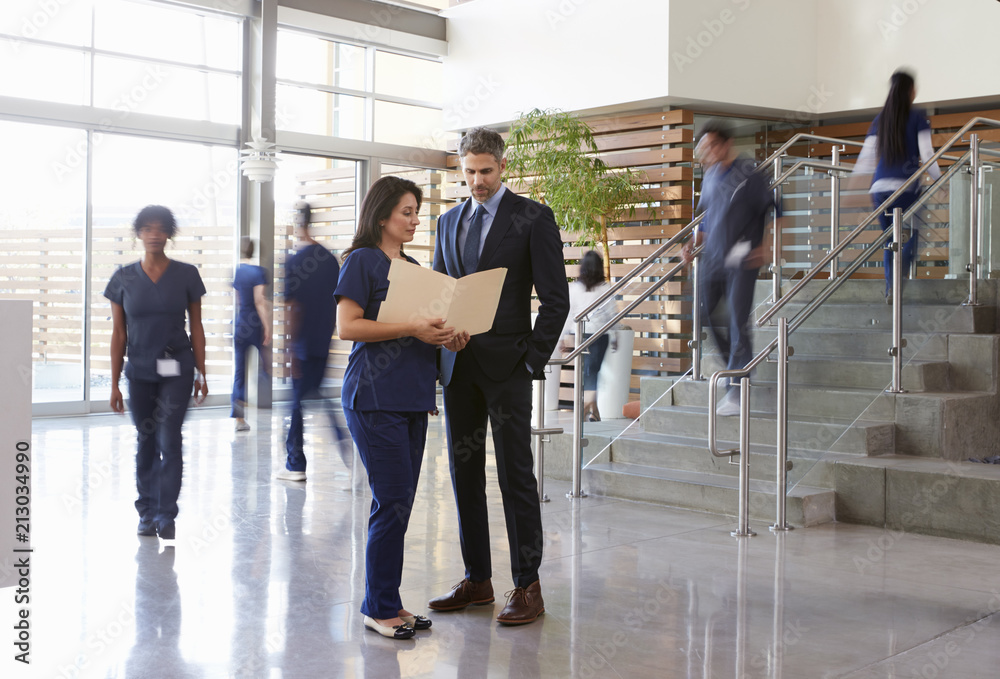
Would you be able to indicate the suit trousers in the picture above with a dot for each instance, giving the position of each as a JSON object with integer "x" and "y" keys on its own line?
{"x": 311, "y": 371}
{"x": 391, "y": 446}
{"x": 470, "y": 400}
{"x": 158, "y": 410}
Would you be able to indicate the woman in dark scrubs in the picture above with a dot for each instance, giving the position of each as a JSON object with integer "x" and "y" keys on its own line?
{"x": 149, "y": 301}
{"x": 387, "y": 393}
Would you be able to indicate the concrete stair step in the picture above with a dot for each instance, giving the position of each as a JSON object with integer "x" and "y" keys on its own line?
{"x": 840, "y": 402}
{"x": 821, "y": 371}
{"x": 935, "y": 497}
{"x": 870, "y": 343}
{"x": 862, "y": 437}
{"x": 917, "y": 318}
{"x": 692, "y": 454}
{"x": 715, "y": 493}
{"x": 870, "y": 291}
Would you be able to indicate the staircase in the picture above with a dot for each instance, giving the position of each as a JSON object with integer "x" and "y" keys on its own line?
{"x": 856, "y": 453}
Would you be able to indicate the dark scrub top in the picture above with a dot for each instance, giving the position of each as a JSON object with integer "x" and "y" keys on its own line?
{"x": 155, "y": 315}
{"x": 310, "y": 279}
{"x": 914, "y": 125}
{"x": 735, "y": 200}
{"x": 248, "y": 276}
{"x": 397, "y": 375}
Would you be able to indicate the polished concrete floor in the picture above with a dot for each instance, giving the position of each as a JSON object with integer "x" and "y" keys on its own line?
{"x": 265, "y": 579}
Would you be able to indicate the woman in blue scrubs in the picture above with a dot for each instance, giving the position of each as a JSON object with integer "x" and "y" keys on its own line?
{"x": 387, "y": 393}
{"x": 149, "y": 301}
{"x": 252, "y": 328}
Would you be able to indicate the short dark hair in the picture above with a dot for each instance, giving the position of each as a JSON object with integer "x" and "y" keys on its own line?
{"x": 155, "y": 213}
{"x": 246, "y": 247}
{"x": 377, "y": 206}
{"x": 720, "y": 127}
{"x": 482, "y": 140}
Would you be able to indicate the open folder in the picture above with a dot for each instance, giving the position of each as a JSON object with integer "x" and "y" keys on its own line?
{"x": 467, "y": 304}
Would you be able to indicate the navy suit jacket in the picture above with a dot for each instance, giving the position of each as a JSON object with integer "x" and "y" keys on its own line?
{"x": 524, "y": 239}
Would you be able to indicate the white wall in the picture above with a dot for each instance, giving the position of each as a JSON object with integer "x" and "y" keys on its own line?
{"x": 508, "y": 56}
{"x": 776, "y": 57}
{"x": 950, "y": 45}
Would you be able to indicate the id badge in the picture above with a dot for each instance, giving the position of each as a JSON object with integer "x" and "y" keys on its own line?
{"x": 168, "y": 367}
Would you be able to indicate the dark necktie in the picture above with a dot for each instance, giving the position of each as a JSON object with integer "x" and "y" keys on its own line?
{"x": 470, "y": 253}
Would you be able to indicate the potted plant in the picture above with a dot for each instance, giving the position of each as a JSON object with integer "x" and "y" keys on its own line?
{"x": 553, "y": 155}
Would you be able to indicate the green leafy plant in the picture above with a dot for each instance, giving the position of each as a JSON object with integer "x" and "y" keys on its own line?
{"x": 554, "y": 156}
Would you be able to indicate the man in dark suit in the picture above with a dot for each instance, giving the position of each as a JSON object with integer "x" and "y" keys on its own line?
{"x": 490, "y": 379}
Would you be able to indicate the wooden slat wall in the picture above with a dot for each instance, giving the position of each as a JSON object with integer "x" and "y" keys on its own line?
{"x": 807, "y": 201}
{"x": 658, "y": 145}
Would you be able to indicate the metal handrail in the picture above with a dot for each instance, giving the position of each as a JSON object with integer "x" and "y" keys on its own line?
{"x": 779, "y": 303}
{"x": 803, "y": 135}
{"x": 786, "y": 328}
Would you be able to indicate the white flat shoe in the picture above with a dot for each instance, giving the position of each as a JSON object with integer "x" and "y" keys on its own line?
{"x": 403, "y": 631}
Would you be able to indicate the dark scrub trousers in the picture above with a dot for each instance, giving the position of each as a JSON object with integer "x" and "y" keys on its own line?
{"x": 310, "y": 280}
{"x": 247, "y": 333}
{"x": 387, "y": 393}
{"x": 155, "y": 317}
{"x": 904, "y": 202}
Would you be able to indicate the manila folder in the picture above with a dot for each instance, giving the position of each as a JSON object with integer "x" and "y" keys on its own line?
{"x": 467, "y": 304}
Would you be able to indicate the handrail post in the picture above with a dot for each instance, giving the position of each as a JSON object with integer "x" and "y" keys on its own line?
{"x": 577, "y": 491}
{"x": 974, "y": 210}
{"x": 896, "y": 350}
{"x": 781, "y": 477}
{"x": 743, "y": 530}
{"x": 776, "y": 235}
{"x": 695, "y": 343}
{"x": 540, "y": 440}
{"x": 835, "y": 210}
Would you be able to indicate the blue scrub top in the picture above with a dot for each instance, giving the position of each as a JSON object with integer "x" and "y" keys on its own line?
{"x": 397, "y": 375}
{"x": 310, "y": 279}
{"x": 155, "y": 315}
{"x": 248, "y": 276}
{"x": 916, "y": 123}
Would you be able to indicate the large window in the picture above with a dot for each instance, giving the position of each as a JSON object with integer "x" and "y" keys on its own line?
{"x": 103, "y": 53}
{"x": 42, "y": 237}
{"x": 338, "y": 89}
{"x": 199, "y": 184}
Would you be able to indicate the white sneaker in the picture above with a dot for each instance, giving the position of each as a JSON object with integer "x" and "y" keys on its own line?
{"x": 286, "y": 475}
{"x": 242, "y": 426}
{"x": 729, "y": 404}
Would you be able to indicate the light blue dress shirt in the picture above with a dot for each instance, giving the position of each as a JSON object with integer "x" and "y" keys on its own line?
{"x": 491, "y": 206}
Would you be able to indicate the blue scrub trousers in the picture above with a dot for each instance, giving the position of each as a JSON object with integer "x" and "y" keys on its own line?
{"x": 391, "y": 445}
{"x": 244, "y": 338}
{"x": 311, "y": 370}
{"x": 736, "y": 286}
{"x": 904, "y": 202}
{"x": 158, "y": 410}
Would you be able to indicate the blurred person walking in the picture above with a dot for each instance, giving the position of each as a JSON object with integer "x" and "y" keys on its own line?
{"x": 252, "y": 327}
{"x": 149, "y": 301}
{"x": 310, "y": 280}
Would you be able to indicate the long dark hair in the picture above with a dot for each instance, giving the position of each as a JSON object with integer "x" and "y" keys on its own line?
{"x": 381, "y": 199}
{"x": 591, "y": 270}
{"x": 893, "y": 118}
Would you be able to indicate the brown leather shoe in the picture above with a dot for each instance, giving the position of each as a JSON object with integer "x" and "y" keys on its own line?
{"x": 524, "y": 605}
{"x": 463, "y": 594}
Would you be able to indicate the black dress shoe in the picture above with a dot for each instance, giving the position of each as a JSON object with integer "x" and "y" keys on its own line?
{"x": 146, "y": 527}
{"x": 166, "y": 531}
